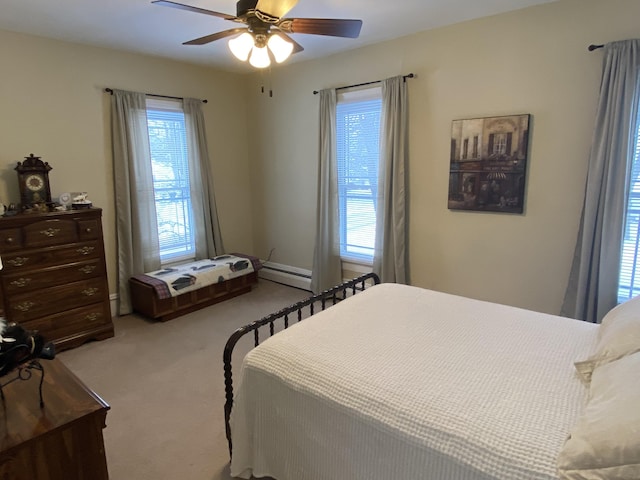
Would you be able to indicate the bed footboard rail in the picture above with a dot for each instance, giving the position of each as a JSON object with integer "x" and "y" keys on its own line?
{"x": 295, "y": 312}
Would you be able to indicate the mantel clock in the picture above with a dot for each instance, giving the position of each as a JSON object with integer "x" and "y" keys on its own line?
{"x": 33, "y": 179}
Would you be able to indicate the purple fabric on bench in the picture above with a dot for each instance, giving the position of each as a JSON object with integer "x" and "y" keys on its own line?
{"x": 160, "y": 287}
{"x": 255, "y": 261}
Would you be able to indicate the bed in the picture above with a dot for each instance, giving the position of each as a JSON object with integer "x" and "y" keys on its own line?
{"x": 177, "y": 290}
{"x": 399, "y": 382}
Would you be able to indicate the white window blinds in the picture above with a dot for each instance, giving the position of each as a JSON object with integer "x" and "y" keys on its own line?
{"x": 358, "y": 146}
{"x": 629, "y": 281}
{"x": 170, "y": 166}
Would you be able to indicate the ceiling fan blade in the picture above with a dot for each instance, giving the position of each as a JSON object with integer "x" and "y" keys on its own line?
{"x": 275, "y": 8}
{"x": 321, "y": 26}
{"x": 296, "y": 46}
{"x": 189, "y": 8}
{"x": 215, "y": 36}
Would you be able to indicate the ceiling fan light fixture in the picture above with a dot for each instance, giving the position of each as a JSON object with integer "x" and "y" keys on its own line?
{"x": 280, "y": 47}
{"x": 257, "y": 42}
{"x": 241, "y": 46}
{"x": 259, "y": 57}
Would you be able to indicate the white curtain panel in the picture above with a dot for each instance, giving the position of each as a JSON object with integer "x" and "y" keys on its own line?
{"x": 593, "y": 282}
{"x": 137, "y": 232}
{"x": 208, "y": 236}
{"x": 327, "y": 268}
{"x": 390, "y": 254}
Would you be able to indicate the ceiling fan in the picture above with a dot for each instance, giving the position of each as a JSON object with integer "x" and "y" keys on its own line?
{"x": 266, "y": 30}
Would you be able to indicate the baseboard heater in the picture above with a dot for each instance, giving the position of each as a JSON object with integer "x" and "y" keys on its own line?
{"x": 286, "y": 274}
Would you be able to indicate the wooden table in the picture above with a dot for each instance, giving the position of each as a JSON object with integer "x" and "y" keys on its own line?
{"x": 61, "y": 441}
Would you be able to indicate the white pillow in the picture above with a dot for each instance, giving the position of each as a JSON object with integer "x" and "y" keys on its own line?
{"x": 618, "y": 335}
{"x": 605, "y": 442}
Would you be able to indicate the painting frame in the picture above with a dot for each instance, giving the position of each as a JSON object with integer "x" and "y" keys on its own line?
{"x": 488, "y": 163}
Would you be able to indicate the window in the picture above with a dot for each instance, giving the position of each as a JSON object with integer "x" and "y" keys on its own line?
{"x": 629, "y": 281}
{"x": 358, "y": 153}
{"x": 170, "y": 167}
{"x": 500, "y": 143}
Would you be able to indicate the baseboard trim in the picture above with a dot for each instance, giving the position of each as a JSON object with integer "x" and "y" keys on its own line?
{"x": 286, "y": 274}
{"x": 113, "y": 303}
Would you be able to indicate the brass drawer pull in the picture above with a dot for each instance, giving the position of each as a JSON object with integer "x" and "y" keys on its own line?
{"x": 87, "y": 269}
{"x": 50, "y": 232}
{"x": 18, "y": 261}
{"x": 24, "y": 306}
{"x": 89, "y": 292}
{"x": 8, "y": 240}
{"x": 87, "y": 230}
{"x": 21, "y": 282}
{"x": 92, "y": 317}
{"x": 85, "y": 250}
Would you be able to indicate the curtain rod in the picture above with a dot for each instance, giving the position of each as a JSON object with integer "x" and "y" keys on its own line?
{"x": 110, "y": 92}
{"x": 410, "y": 75}
{"x": 593, "y": 47}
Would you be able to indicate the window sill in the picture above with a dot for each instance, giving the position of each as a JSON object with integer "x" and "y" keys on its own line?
{"x": 359, "y": 266}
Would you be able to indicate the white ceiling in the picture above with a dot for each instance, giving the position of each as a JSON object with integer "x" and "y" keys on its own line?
{"x": 139, "y": 26}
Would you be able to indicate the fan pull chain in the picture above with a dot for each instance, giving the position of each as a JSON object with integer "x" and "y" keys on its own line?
{"x": 270, "y": 91}
{"x": 262, "y": 86}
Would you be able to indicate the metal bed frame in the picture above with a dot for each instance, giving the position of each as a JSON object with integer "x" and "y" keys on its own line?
{"x": 325, "y": 299}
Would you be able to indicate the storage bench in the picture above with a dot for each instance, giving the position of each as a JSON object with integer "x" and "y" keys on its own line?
{"x": 155, "y": 299}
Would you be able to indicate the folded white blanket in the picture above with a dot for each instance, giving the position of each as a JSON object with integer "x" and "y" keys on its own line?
{"x": 190, "y": 276}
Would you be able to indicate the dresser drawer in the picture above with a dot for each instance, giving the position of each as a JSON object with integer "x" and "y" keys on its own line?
{"x": 29, "y": 259}
{"x": 48, "y": 277}
{"x": 70, "y": 322}
{"x": 89, "y": 229}
{"x": 10, "y": 239}
{"x": 50, "y": 232}
{"x": 31, "y": 305}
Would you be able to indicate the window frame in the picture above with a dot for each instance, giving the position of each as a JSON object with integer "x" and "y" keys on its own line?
{"x": 171, "y": 107}
{"x": 630, "y": 247}
{"x": 361, "y": 97}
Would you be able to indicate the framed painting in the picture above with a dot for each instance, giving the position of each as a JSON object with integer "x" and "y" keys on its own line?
{"x": 488, "y": 163}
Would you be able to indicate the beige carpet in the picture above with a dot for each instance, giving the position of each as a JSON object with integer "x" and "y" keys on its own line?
{"x": 165, "y": 387}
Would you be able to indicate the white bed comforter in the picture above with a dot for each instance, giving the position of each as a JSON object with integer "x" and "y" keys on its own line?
{"x": 400, "y": 383}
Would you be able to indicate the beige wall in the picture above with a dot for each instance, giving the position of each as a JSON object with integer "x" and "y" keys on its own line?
{"x": 52, "y": 104}
{"x": 530, "y": 61}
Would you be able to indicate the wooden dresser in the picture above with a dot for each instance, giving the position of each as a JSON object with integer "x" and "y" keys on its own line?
{"x": 61, "y": 441}
{"x": 54, "y": 276}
